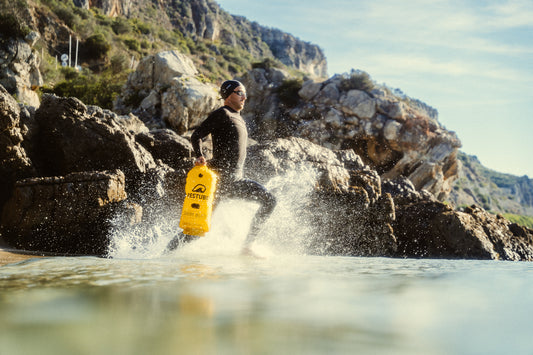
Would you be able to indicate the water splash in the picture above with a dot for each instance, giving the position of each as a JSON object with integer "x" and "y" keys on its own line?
{"x": 284, "y": 233}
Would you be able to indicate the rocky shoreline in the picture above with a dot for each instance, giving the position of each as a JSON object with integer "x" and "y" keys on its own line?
{"x": 72, "y": 173}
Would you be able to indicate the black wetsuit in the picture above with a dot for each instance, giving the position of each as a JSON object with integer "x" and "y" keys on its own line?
{"x": 230, "y": 138}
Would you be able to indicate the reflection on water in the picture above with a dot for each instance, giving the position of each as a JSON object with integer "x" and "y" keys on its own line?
{"x": 226, "y": 304}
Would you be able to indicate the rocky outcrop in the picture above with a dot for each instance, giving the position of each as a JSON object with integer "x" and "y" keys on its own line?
{"x": 294, "y": 52}
{"x": 19, "y": 68}
{"x": 164, "y": 92}
{"x": 346, "y": 211}
{"x": 166, "y": 145}
{"x": 14, "y": 162}
{"x": 392, "y": 135}
{"x": 395, "y": 136}
{"x": 100, "y": 171}
{"x": 72, "y": 137}
{"x": 427, "y": 228}
{"x": 206, "y": 20}
{"x": 111, "y": 8}
{"x": 68, "y": 214}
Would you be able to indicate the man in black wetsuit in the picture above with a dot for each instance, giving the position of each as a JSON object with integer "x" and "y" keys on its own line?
{"x": 230, "y": 138}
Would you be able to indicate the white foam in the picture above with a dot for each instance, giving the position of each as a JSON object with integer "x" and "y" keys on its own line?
{"x": 283, "y": 233}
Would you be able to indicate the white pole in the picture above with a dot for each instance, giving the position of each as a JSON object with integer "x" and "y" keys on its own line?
{"x": 69, "y": 49}
{"x": 76, "y": 62}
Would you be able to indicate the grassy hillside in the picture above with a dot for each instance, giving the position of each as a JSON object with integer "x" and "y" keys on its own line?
{"x": 494, "y": 191}
{"x": 109, "y": 47}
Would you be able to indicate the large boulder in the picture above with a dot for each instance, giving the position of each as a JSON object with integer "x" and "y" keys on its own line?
{"x": 165, "y": 92}
{"x": 168, "y": 146}
{"x": 67, "y": 214}
{"x": 72, "y": 138}
{"x": 14, "y": 162}
{"x": 427, "y": 228}
{"x": 187, "y": 102}
{"x": 19, "y": 68}
{"x": 345, "y": 209}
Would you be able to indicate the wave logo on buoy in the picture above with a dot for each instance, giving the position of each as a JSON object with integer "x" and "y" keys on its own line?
{"x": 199, "y": 188}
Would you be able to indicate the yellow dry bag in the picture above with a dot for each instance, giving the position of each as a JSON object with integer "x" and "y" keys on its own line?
{"x": 198, "y": 205}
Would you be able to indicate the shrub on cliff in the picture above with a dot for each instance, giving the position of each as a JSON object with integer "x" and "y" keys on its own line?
{"x": 100, "y": 90}
{"x": 97, "y": 46}
{"x": 526, "y": 221}
{"x": 12, "y": 23}
{"x": 358, "y": 80}
{"x": 288, "y": 92}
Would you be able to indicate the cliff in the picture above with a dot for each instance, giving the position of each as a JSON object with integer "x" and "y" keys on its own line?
{"x": 205, "y": 19}
{"x": 494, "y": 191}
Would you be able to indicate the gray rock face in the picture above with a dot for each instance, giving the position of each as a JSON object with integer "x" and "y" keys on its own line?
{"x": 395, "y": 137}
{"x": 295, "y": 53}
{"x": 19, "y": 68}
{"x": 164, "y": 92}
{"x": 14, "y": 162}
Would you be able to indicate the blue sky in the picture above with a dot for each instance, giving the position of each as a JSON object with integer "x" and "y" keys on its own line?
{"x": 472, "y": 60}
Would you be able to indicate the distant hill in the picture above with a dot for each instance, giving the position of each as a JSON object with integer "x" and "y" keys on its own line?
{"x": 494, "y": 191}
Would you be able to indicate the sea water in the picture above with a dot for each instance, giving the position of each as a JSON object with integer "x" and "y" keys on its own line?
{"x": 205, "y": 298}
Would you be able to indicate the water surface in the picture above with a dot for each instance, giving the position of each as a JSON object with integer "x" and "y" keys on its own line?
{"x": 206, "y": 298}
{"x": 196, "y": 302}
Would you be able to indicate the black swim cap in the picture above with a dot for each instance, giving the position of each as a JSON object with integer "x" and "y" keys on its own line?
{"x": 228, "y": 86}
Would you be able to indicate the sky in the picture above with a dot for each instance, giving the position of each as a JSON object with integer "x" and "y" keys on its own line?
{"x": 472, "y": 60}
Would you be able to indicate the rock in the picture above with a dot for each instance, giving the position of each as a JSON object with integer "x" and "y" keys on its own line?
{"x": 358, "y": 103}
{"x": 310, "y": 89}
{"x": 19, "y": 68}
{"x": 307, "y": 57}
{"x": 396, "y": 136}
{"x": 130, "y": 122}
{"x": 73, "y": 138}
{"x": 164, "y": 92}
{"x": 14, "y": 162}
{"x": 187, "y": 103}
{"x": 69, "y": 214}
{"x": 167, "y": 145}
{"x": 264, "y": 111}
{"x": 346, "y": 210}
{"x": 431, "y": 229}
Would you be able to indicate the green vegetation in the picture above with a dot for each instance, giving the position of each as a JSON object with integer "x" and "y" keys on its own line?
{"x": 92, "y": 89}
{"x": 494, "y": 191}
{"x": 288, "y": 92}
{"x": 12, "y": 22}
{"x": 358, "y": 80}
{"x": 108, "y": 43}
{"x": 526, "y": 221}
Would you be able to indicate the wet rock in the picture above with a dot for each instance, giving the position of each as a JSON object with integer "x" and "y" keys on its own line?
{"x": 431, "y": 229}
{"x": 165, "y": 144}
{"x": 14, "y": 162}
{"x": 346, "y": 210}
{"x": 67, "y": 214}
{"x": 72, "y": 138}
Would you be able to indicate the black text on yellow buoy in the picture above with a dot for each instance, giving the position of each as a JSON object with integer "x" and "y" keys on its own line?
{"x": 198, "y": 204}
